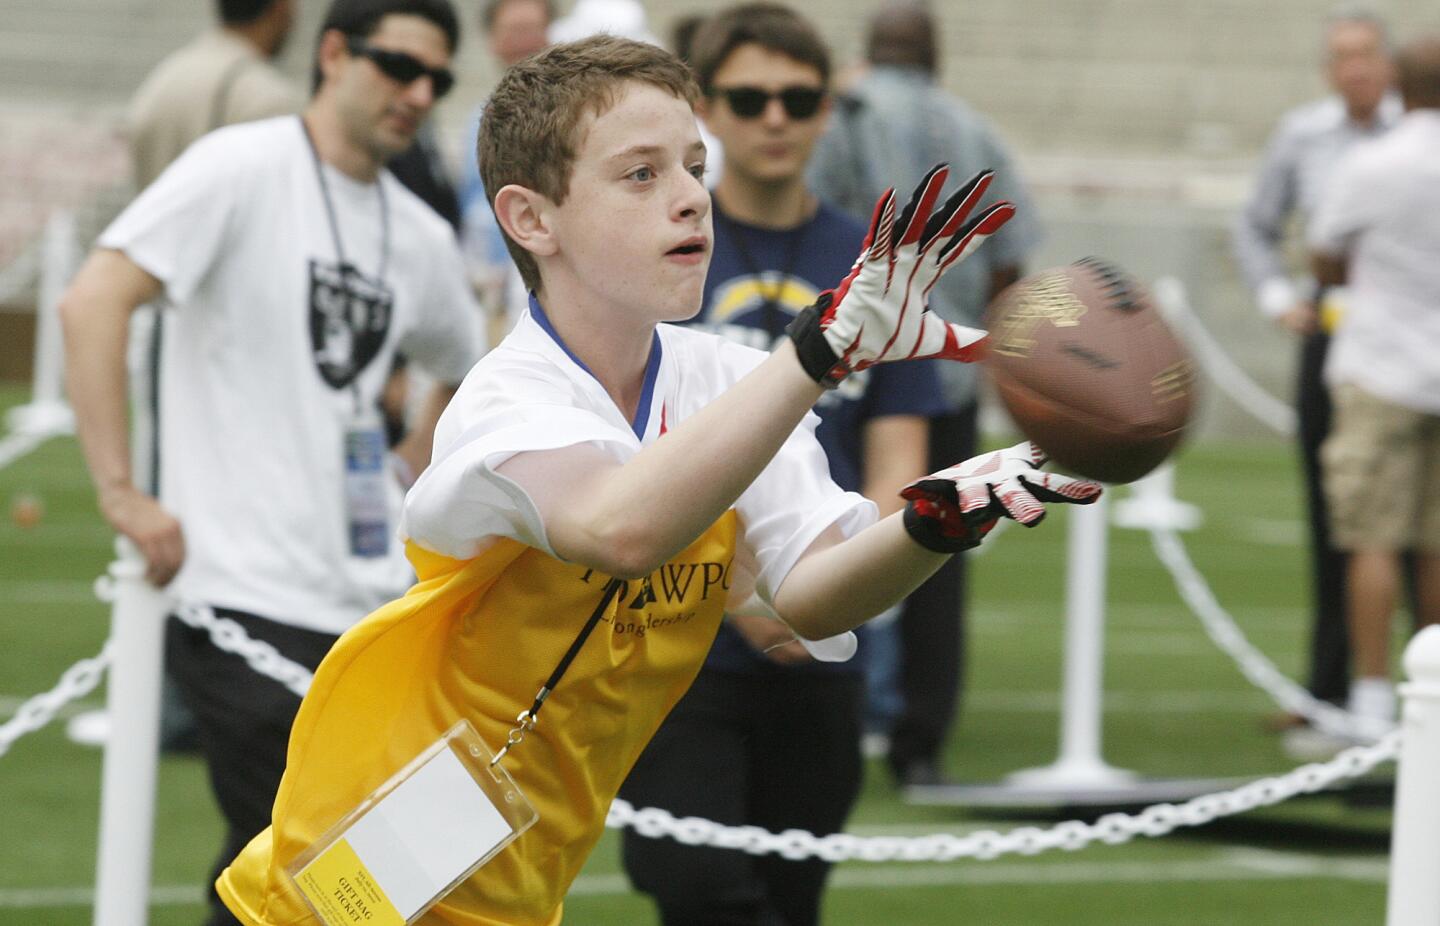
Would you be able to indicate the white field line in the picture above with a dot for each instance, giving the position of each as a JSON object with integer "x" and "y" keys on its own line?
{"x": 48, "y": 591}
{"x": 1132, "y": 616}
{"x": 1123, "y": 702}
{"x": 1228, "y": 865}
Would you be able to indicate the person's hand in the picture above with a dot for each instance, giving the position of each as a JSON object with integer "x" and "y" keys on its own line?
{"x": 952, "y": 510}
{"x": 150, "y": 527}
{"x": 1302, "y": 318}
{"x": 877, "y": 313}
{"x": 770, "y": 638}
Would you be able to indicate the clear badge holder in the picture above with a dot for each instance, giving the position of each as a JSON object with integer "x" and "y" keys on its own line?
{"x": 366, "y": 503}
{"x": 417, "y": 836}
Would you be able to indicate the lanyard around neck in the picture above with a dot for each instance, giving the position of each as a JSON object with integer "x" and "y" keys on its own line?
{"x": 526, "y": 721}
{"x": 771, "y": 304}
{"x": 345, "y": 266}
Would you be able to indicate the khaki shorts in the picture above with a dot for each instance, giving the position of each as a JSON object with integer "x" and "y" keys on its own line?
{"x": 1381, "y": 470}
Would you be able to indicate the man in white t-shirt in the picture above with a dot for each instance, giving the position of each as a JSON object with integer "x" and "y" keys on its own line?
{"x": 1378, "y": 229}
{"x": 605, "y": 487}
{"x": 294, "y": 267}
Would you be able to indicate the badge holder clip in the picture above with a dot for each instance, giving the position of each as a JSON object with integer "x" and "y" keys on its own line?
{"x": 430, "y": 826}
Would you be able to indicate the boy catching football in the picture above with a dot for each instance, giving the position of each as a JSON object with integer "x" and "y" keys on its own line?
{"x": 601, "y": 463}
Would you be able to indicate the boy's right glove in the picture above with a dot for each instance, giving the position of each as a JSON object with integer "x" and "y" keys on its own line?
{"x": 877, "y": 313}
{"x": 952, "y": 510}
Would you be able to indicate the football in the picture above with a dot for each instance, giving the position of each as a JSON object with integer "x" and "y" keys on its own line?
{"x": 1089, "y": 371}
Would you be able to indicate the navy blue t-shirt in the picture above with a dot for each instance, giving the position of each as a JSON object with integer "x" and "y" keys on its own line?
{"x": 759, "y": 279}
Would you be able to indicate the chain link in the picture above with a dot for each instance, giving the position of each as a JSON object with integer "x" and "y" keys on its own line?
{"x": 77, "y": 681}
{"x": 83, "y": 677}
{"x": 261, "y": 656}
{"x": 1070, "y": 836}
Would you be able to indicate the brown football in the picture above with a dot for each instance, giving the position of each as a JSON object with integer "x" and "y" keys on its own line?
{"x": 1089, "y": 371}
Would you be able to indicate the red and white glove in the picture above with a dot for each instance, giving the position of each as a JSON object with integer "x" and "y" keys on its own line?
{"x": 952, "y": 510}
{"x": 877, "y": 313}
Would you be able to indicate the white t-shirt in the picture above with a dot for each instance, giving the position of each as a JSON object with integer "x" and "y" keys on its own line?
{"x": 265, "y": 364}
{"x": 530, "y": 394}
{"x": 1382, "y": 209}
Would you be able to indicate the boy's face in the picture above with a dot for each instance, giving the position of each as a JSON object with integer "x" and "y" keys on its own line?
{"x": 772, "y": 146}
{"x": 634, "y": 229}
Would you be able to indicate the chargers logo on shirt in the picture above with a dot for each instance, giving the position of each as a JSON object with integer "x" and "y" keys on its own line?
{"x": 349, "y": 318}
{"x": 742, "y": 295}
{"x": 736, "y": 312}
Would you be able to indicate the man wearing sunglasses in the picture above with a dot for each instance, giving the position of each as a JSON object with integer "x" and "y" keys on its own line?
{"x": 774, "y": 734}
{"x": 294, "y": 267}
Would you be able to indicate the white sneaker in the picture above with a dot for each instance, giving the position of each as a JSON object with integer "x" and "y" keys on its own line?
{"x": 1373, "y": 698}
{"x": 874, "y": 745}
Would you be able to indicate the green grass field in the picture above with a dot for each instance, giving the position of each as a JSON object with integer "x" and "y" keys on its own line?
{"x": 1176, "y": 707}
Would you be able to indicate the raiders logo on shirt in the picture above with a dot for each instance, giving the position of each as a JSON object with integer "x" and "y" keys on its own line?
{"x": 349, "y": 319}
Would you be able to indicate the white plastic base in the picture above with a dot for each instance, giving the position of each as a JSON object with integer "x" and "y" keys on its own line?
{"x": 1154, "y": 513}
{"x": 1071, "y": 774}
{"x": 92, "y": 728}
{"x": 45, "y": 418}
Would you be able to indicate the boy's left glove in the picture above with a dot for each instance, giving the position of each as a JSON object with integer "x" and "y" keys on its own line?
{"x": 877, "y": 313}
{"x": 953, "y": 509}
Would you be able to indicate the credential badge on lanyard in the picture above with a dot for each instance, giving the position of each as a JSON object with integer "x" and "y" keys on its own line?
{"x": 416, "y": 838}
{"x": 366, "y": 505}
{"x": 364, "y": 448}
{"x": 430, "y": 826}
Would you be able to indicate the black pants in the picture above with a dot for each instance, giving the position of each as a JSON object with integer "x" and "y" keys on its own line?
{"x": 243, "y": 722}
{"x": 1329, "y": 633}
{"x": 777, "y": 749}
{"x": 932, "y": 626}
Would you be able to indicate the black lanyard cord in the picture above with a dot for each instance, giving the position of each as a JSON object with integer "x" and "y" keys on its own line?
{"x": 335, "y": 224}
{"x": 772, "y": 324}
{"x": 526, "y": 721}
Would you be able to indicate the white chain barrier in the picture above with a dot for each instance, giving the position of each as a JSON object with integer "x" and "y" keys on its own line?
{"x": 83, "y": 677}
{"x": 36, "y": 713}
{"x": 75, "y": 683}
{"x": 1070, "y": 836}
{"x": 1224, "y": 372}
{"x": 1253, "y": 664}
{"x": 259, "y": 655}
{"x": 15, "y": 446}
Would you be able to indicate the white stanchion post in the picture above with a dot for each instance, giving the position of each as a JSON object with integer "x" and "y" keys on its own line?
{"x": 1414, "y": 897}
{"x": 47, "y": 412}
{"x": 1080, "y": 764}
{"x": 127, "y": 790}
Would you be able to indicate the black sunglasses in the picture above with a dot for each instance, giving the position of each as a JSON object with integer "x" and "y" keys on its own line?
{"x": 749, "y": 102}
{"x": 397, "y": 65}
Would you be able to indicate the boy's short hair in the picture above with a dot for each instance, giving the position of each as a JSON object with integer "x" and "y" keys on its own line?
{"x": 769, "y": 25}
{"x": 360, "y": 18}
{"x": 528, "y": 134}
